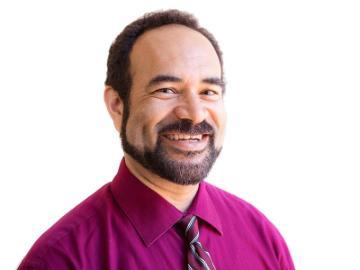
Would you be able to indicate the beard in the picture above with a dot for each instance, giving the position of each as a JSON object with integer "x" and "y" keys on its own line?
{"x": 159, "y": 162}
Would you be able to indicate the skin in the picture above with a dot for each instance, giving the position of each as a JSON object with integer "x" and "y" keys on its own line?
{"x": 177, "y": 51}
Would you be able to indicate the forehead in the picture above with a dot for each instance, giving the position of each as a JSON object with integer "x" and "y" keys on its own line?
{"x": 176, "y": 50}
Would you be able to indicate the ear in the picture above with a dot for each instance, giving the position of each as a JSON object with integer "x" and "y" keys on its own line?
{"x": 114, "y": 105}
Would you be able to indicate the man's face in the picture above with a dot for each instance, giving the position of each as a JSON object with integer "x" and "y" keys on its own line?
{"x": 176, "y": 122}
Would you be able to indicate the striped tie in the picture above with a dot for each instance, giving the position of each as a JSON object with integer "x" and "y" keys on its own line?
{"x": 198, "y": 257}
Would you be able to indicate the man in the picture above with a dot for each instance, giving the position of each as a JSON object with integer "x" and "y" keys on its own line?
{"x": 164, "y": 92}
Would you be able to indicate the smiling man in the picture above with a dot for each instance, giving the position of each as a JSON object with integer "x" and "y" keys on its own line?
{"x": 164, "y": 92}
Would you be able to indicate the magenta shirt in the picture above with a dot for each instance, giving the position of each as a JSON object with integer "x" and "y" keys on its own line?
{"x": 126, "y": 225}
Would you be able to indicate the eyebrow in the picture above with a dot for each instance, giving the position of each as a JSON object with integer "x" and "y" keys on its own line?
{"x": 169, "y": 78}
{"x": 163, "y": 78}
{"x": 214, "y": 80}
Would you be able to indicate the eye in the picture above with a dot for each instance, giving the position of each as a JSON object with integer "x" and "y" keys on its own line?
{"x": 166, "y": 91}
{"x": 209, "y": 92}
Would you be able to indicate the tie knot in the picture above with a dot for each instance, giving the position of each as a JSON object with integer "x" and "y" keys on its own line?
{"x": 191, "y": 229}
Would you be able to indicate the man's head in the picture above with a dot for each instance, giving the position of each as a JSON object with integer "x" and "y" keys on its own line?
{"x": 165, "y": 94}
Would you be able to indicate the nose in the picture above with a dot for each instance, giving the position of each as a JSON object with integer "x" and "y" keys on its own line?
{"x": 191, "y": 108}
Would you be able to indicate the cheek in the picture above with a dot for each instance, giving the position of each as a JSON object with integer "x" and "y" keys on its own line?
{"x": 220, "y": 118}
{"x": 141, "y": 127}
{"x": 221, "y": 135}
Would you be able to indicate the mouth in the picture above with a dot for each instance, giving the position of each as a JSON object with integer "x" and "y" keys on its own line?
{"x": 186, "y": 141}
{"x": 185, "y": 136}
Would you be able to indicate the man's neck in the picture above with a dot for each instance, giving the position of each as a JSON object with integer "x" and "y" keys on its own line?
{"x": 180, "y": 196}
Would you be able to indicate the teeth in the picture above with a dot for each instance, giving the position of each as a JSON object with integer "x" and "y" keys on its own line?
{"x": 196, "y": 137}
{"x": 182, "y": 136}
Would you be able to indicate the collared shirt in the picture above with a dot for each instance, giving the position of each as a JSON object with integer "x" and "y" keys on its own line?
{"x": 126, "y": 225}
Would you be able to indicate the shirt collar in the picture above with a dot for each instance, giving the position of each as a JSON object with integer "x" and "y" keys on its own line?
{"x": 204, "y": 207}
{"x": 150, "y": 214}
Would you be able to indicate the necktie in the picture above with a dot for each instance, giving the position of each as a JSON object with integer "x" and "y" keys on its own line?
{"x": 198, "y": 257}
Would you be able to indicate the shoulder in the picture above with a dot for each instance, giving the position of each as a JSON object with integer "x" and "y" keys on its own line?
{"x": 245, "y": 219}
{"x": 230, "y": 206}
{"x": 232, "y": 203}
{"x": 64, "y": 237}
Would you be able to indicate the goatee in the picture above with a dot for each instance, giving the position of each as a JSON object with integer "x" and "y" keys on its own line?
{"x": 159, "y": 162}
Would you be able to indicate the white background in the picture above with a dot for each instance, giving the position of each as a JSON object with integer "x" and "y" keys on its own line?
{"x": 292, "y": 145}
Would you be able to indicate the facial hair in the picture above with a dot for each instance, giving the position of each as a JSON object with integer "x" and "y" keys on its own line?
{"x": 159, "y": 162}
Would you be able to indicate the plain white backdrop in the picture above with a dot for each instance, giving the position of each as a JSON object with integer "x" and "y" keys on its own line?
{"x": 293, "y": 100}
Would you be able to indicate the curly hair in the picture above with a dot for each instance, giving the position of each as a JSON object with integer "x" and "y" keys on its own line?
{"x": 118, "y": 64}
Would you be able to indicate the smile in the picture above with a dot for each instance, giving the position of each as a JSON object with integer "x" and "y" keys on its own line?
{"x": 184, "y": 136}
{"x": 186, "y": 142}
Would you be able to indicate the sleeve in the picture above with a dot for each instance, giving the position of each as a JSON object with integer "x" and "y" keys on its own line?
{"x": 273, "y": 239}
{"x": 283, "y": 253}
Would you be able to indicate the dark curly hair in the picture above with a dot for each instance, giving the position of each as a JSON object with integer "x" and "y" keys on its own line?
{"x": 118, "y": 64}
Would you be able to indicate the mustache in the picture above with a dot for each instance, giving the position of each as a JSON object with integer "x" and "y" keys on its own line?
{"x": 187, "y": 126}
